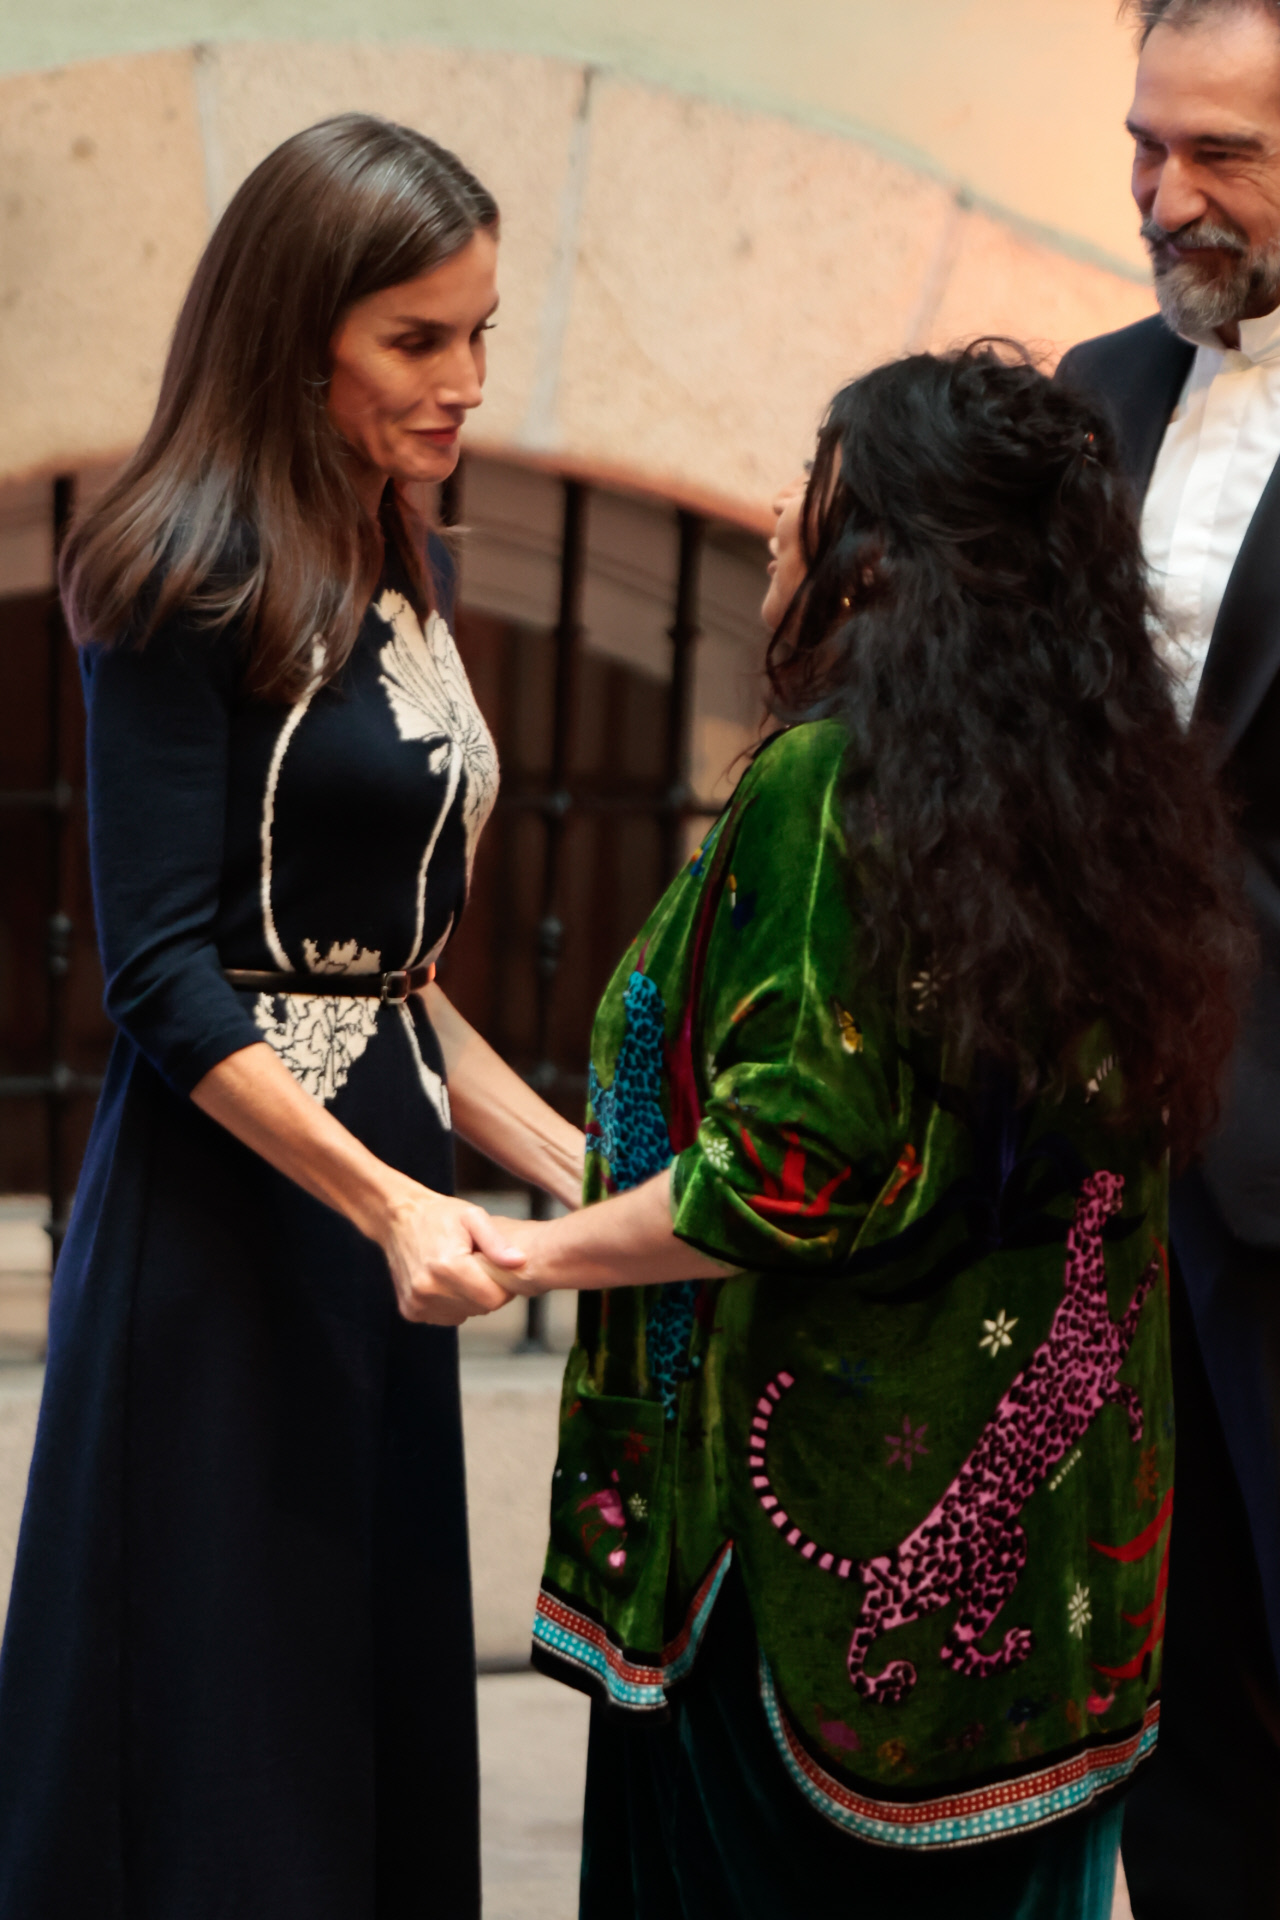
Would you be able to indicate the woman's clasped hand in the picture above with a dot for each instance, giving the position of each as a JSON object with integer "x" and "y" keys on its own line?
{"x": 442, "y": 1254}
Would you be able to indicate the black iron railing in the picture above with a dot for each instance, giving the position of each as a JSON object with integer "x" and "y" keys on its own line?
{"x": 670, "y": 803}
{"x": 58, "y": 1083}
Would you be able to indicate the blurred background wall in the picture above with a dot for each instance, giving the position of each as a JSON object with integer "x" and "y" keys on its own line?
{"x": 714, "y": 213}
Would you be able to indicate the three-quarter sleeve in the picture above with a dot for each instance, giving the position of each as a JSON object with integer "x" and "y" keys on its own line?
{"x": 158, "y": 724}
{"x": 796, "y": 1132}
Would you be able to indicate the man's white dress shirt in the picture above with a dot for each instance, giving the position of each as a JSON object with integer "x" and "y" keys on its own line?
{"x": 1216, "y": 457}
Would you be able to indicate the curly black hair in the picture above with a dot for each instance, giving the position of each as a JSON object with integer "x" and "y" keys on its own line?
{"x": 1028, "y": 820}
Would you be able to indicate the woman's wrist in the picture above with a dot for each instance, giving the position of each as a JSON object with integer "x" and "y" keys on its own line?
{"x": 554, "y": 1160}
{"x": 625, "y": 1241}
{"x": 380, "y": 1199}
{"x": 568, "y": 1187}
{"x": 537, "y": 1241}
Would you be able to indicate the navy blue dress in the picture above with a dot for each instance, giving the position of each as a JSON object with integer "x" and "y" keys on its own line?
{"x": 238, "y": 1675}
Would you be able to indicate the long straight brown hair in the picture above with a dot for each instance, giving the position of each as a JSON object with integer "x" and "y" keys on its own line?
{"x": 238, "y": 505}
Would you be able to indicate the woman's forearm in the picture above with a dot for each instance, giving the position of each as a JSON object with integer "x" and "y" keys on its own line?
{"x": 433, "y": 1243}
{"x": 254, "y": 1096}
{"x": 623, "y": 1242}
{"x": 498, "y": 1113}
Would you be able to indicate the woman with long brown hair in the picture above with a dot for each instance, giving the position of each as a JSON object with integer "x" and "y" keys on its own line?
{"x": 238, "y": 1671}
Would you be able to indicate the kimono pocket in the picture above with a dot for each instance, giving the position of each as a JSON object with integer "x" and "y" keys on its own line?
{"x": 609, "y": 1493}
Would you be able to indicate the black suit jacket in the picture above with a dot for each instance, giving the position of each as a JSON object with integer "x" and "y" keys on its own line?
{"x": 1140, "y": 373}
{"x": 1225, "y": 1213}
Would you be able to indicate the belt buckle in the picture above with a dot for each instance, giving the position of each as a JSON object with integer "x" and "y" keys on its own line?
{"x": 396, "y": 987}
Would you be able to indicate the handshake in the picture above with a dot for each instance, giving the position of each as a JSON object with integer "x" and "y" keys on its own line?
{"x": 451, "y": 1260}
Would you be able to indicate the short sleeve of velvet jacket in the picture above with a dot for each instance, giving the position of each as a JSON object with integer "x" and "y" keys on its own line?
{"x": 158, "y": 727}
{"x": 796, "y": 1137}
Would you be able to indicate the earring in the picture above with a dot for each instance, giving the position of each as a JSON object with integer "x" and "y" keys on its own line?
{"x": 845, "y": 602}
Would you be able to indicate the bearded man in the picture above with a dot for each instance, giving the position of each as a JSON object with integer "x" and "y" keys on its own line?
{"x": 1196, "y": 397}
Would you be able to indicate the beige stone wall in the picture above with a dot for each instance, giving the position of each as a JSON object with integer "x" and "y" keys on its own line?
{"x": 684, "y": 282}
{"x": 1021, "y": 102}
{"x": 103, "y": 217}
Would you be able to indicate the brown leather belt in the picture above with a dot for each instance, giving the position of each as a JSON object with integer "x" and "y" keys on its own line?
{"x": 392, "y": 988}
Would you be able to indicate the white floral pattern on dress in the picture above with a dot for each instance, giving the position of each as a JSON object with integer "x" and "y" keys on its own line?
{"x": 430, "y": 696}
{"x": 1079, "y": 1612}
{"x": 320, "y": 1036}
{"x": 293, "y": 720}
{"x": 347, "y": 957}
{"x": 432, "y": 1085}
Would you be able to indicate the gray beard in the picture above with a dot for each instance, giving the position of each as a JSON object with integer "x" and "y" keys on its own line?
{"x": 1196, "y": 303}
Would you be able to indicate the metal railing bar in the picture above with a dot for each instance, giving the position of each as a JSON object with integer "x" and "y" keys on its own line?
{"x": 568, "y": 641}
{"x": 65, "y": 1084}
{"x": 684, "y": 631}
{"x": 60, "y": 932}
{"x": 546, "y": 1075}
{"x": 60, "y": 799}
{"x": 660, "y": 805}
{"x": 669, "y": 803}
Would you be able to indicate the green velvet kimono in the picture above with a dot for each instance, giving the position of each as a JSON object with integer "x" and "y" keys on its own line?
{"x": 930, "y": 1417}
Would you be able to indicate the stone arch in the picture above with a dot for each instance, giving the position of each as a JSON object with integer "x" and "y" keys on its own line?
{"x": 685, "y": 281}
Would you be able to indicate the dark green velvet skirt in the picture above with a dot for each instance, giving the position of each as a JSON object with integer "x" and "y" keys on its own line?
{"x": 694, "y": 1818}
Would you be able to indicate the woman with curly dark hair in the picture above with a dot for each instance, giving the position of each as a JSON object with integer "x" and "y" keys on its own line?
{"x": 861, "y": 1514}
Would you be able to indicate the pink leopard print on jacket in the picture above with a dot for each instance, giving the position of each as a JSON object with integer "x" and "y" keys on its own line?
{"x": 970, "y": 1551}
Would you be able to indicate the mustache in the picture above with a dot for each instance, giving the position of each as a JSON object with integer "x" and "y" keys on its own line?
{"x": 1196, "y": 233}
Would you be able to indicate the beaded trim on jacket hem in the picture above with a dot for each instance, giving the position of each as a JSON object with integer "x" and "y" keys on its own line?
{"x": 565, "y": 1636}
{"x": 962, "y": 1818}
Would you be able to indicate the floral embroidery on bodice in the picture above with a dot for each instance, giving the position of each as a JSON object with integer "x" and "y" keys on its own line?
{"x": 377, "y": 883}
{"x": 431, "y": 698}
